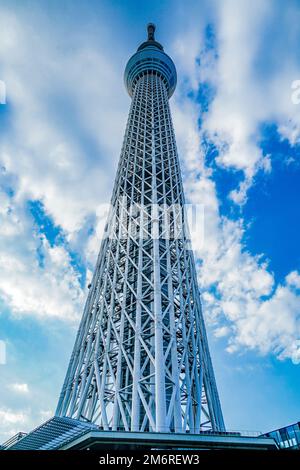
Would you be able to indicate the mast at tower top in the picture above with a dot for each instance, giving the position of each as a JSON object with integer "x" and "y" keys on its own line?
{"x": 151, "y": 41}
{"x": 151, "y": 30}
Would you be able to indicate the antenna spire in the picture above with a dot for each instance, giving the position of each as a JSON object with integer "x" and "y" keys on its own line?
{"x": 151, "y": 30}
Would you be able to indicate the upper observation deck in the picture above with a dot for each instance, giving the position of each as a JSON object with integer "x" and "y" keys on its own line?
{"x": 150, "y": 57}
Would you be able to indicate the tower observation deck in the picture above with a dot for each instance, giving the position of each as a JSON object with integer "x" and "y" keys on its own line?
{"x": 141, "y": 361}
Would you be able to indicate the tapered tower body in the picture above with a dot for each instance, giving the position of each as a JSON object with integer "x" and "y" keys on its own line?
{"x": 141, "y": 360}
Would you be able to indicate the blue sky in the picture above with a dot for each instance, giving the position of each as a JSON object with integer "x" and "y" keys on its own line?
{"x": 238, "y": 135}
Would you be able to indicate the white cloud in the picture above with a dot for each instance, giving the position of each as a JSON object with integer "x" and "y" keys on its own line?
{"x": 46, "y": 414}
{"x": 43, "y": 158}
{"x": 15, "y": 420}
{"x": 272, "y": 324}
{"x": 234, "y": 114}
{"x": 21, "y": 388}
{"x": 58, "y": 98}
{"x": 293, "y": 279}
{"x": 35, "y": 278}
{"x": 8, "y": 417}
{"x": 238, "y": 288}
{"x": 12, "y": 421}
{"x": 247, "y": 93}
{"x": 222, "y": 331}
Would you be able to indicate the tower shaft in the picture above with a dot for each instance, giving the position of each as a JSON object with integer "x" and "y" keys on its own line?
{"x": 141, "y": 360}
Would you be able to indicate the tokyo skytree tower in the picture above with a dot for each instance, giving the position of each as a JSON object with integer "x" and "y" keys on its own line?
{"x": 141, "y": 360}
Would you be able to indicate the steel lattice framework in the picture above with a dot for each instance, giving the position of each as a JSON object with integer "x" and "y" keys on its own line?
{"x": 141, "y": 360}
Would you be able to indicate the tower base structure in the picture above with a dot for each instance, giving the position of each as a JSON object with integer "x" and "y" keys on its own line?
{"x": 70, "y": 434}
